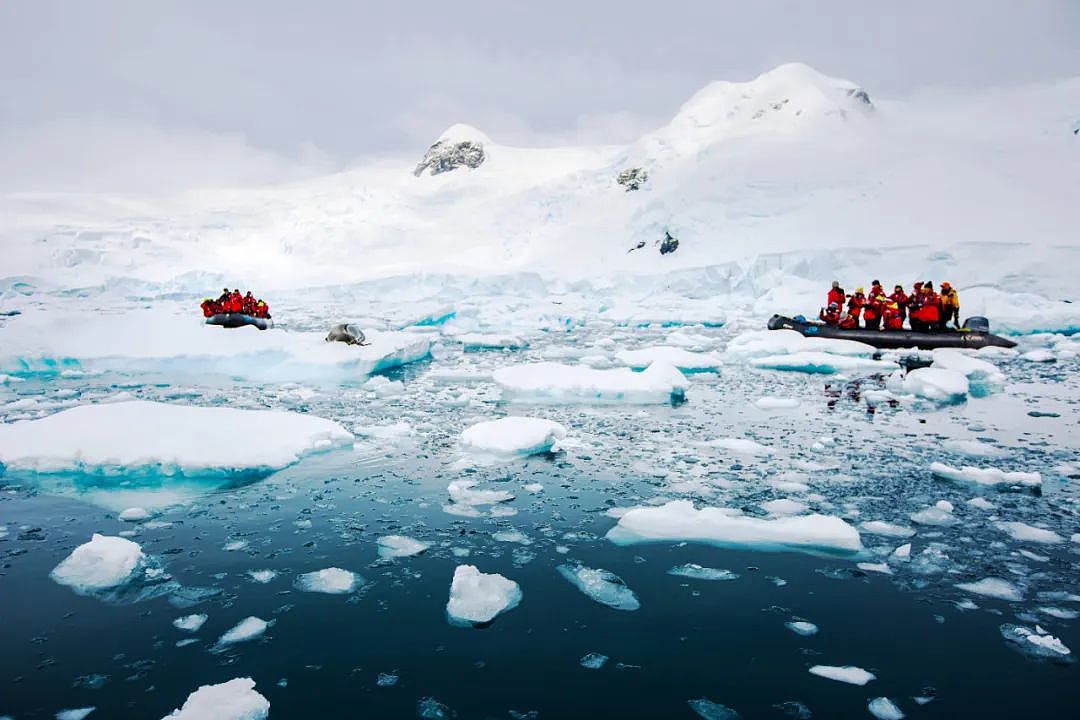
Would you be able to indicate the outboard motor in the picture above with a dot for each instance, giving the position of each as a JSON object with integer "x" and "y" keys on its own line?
{"x": 977, "y": 324}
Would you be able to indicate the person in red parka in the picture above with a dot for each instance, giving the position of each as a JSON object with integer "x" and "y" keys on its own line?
{"x": 236, "y": 302}
{"x": 836, "y": 295}
{"x": 872, "y": 311}
{"x": 855, "y": 304}
{"x": 928, "y": 313}
{"x": 900, "y": 298}
{"x": 209, "y": 307}
{"x": 913, "y": 302}
{"x": 831, "y": 315}
{"x": 248, "y": 303}
{"x": 262, "y": 310}
{"x": 876, "y": 289}
{"x": 849, "y": 322}
{"x": 893, "y": 315}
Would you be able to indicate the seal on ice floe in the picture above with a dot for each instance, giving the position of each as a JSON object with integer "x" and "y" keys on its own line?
{"x": 346, "y": 333}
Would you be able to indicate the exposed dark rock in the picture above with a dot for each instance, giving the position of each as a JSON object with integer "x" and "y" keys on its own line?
{"x": 860, "y": 95}
{"x": 446, "y": 155}
{"x": 669, "y": 245}
{"x": 632, "y": 178}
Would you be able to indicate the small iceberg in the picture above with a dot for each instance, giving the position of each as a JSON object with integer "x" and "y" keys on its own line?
{"x": 233, "y": 700}
{"x": 556, "y": 383}
{"x": 477, "y": 598}
{"x": 103, "y": 563}
{"x": 821, "y": 363}
{"x": 845, "y": 673}
{"x": 943, "y": 387}
{"x": 601, "y": 586}
{"x": 684, "y": 360}
{"x": 190, "y": 623}
{"x": 987, "y": 477}
{"x": 884, "y": 709}
{"x": 332, "y": 581}
{"x": 994, "y": 588}
{"x": 395, "y": 546}
{"x": 513, "y": 436}
{"x": 1028, "y": 533}
{"x": 697, "y": 572}
{"x": 247, "y": 629}
{"x": 1036, "y": 642}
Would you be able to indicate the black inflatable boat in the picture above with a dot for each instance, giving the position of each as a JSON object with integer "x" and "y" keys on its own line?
{"x": 235, "y": 320}
{"x": 974, "y": 335}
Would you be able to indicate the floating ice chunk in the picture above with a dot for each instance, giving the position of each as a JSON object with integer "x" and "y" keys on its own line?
{"x": 1036, "y": 642}
{"x": 491, "y": 341}
{"x": 247, "y": 629}
{"x": 1041, "y": 355}
{"x": 262, "y": 576}
{"x": 141, "y": 436}
{"x": 332, "y": 581}
{"x": 993, "y": 587}
{"x": 1060, "y": 613}
{"x": 189, "y": 623}
{"x": 801, "y": 627}
{"x": 741, "y": 446}
{"x": 974, "y": 448}
{"x": 383, "y": 386}
{"x": 785, "y": 342}
{"x": 679, "y": 520}
{"x": 875, "y": 567}
{"x": 933, "y": 384}
{"x": 134, "y": 514}
{"x": 429, "y": 708}
{"x": 776, "y": 403}
{"x": 391, "y": 431}
{"x": 232, "y": 700}
{"x": 477, "y": 597}
{"x": 784, "y": 506}
{"x": 939, "y": 514}
{"x": 712, "y": 711}
{"x": 234, "y": 545}
{"x": 846, "y": 673}
{"x": 462, "y": 493}
{"x": 821, "y": 363}
{"x": 601, "y": 586}
{"x": 534, "y": 488}
{"x": 593, "y": 661}
{"x": 987, "y": 476}
{"x": 697, "y": 572}
{"x": 1075, "y": 538}
{"x": 981, "y": 503}
{"x": 978, "y": 372}
{"x": 556, "y": 383}
{"x": 104, "y": 562}
{"x": 75, "y": 713}
{"x": 1025, "y": 532}
{"x": 884, "y": 709}
{"x": 676, "y": 357}
{"x": 511, "y": 536}
{"x": 395, "y": 546}
{"x": 887, "y": 529}
{"x": 513, "y": 436}
{"x": 903, "y": 552}
{"x": 386, "y": 680}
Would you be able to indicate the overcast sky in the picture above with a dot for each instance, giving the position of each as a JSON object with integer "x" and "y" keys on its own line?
{"x": 140, "y": 94}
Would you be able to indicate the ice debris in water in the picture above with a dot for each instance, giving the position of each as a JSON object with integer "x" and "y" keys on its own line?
{"x": 1041, "y": 355}
{"x": 933, "y": 384}
{"x": 776, "y": 403}
{"x": 104, "y": 562}
{"x": 712, "y": 711}
{"x": 801, "y": 627}
{"x": 513, "y": 436}
{"x": 1024, "y": 532}
{"x": 142, "y": 436}
{"x": 236, "y": 699}
{"x": 941, "y": 513}
{"x": 887, "y": 529}
{"x": 884, "y": 709}
{"x": 190, "y": 623}
{"x": 882, "y": 568}
{"x": 974, "y": 448}
{"x": 980, "y": 373}
{"x": 676, "y": 357}
{"x": 395, "y": 546}
{"x": 845, "y": 673}
{"x": 262, "y": 576}
{"x": 234, "y": 545}
{"x": 987, "y": 476}
{"x": 332, "y": 581}
{"x": 784, "y": 506}
{"x": 602, "y": 586}
{"x": 680, "y": 520}
{"x": 593, "y": 661}
{"x": 756, "y": 343}
{"x": 556, "y": 383}
{"x": 431, "y": 709}
{"x": 74, "y": 713}
{"x": 477, "y": 597}
{"x": 134, "y": 514}
{"x": 247, "y": 629}
{"x": 993, "y": 587}
{"x": 1035, "y": 641}
{"x": 697, "y": 572}
{"x": 740, "y": 446}
{"x": 462, "y": 493}
{"x": 819, "y": 363}
{"x": 386, "y": 679}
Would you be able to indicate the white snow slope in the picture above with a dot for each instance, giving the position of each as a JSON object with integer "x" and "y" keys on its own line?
{"x": 773, "y": 187}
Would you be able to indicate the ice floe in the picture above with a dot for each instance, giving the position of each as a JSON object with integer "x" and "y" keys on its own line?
{"x": 477, "y": 597}
{"x": 684, "y": 360}
{"x": 190, "y": 623}
{"x": 941, "y": 513}
{"x": 103, "y": 562}
{"x": 134, "y": 514}
{"x": 887, "y": 529}
{"x": 1027, "y": 533}
{"x": 513, "y": 436}
{"x": 710, "y": 710}
{"x": 680, "y": 520}
{"x": 1040, "y": 355}
{"x": 247, "y": 629}
{"x": 395, "y": 546}
{"x": 332, "y": 581}
{"x": 463, "y": 492}
{"x": 556, "y": 383}
{"x": 740, "y": 446}
{"x": 75, "y": 713}
{"x": 490, "y": 341}
{"x": 1035, "y": 641}
{"x": 776, "y": 403}
{"x": 884, "y": 709}
{"x": 987, "y": 476}
{"x": 697, "y": 572}
{"x": 593, "y": 661}
{"x": 141, "y": 436}
{"x": 939, "y": 386}
{"x": 262, "y": 576}
{"x": 981, "y": 374}
{"x": 821, "y": 363}
{"x": 236, "y": 699}
{"x": 974, "y": 448}
{"x": 602, "y": 586}
{"x": 843, "y": 673}
{"x": 801, "y": 627}
{"x": 758, "y": 343}
{"x": 995, "y": 588}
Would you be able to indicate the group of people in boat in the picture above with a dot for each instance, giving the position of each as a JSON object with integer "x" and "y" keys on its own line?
{"x": 234, "y": 302}
{"x": 924, "y": 309}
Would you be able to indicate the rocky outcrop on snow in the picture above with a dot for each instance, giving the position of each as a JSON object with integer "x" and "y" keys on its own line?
{"x": 632, "y": 178}
{"x": 460, "y": 146}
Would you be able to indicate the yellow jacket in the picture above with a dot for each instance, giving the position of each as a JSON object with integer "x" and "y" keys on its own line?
{"x": 950, "y": 299}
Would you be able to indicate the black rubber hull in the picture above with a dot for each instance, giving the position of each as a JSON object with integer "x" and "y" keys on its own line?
{"x": 235, "y": 320}
{"x": 895, "y": 339}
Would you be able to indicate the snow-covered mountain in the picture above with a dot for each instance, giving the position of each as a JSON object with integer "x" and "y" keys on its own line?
{"x": 791, "y": 178}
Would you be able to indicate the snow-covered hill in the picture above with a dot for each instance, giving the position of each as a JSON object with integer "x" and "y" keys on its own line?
{"x": 789, "y": 179}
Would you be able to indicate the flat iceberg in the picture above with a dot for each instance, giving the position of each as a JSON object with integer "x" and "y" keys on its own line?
{"x": 556, "y": 383}
{"x": 974, "y": 448}
{"x": 332, "y": 581}
{"x": 1024, "y": 532}
{"x": 247, "y": 629}
{"x": 709, "y": 710}
{"x": 1035, "y": 641}
{"x": 884, "y": 709}
{"x": 697, "y": 572}
{"x": 236, "y": 699}
{"x": 981, "y": 374}
{"x": 133, "y": 514}
{"x": 844, "y": 673}
{"x": 759, "y": 343}
{"x": 880, "y": 527}
{"x": 601, "y": 586}
{"x": 941, "y": 513}
{"x": 490, "y": 341}
{"x": 141, "y": 437}
{"x": 462, "y": 492}
{"x": 821, "y": 363}
{"x": 993, "y": 587}
{"x": 513, "y": 436}
{"x": 776, "y": 403}
{"x": 741, "y": 446}
{"x": 944, "y": 387}
{"x": 190, "y": 623}
{"x": 987, "y": 476}
{"x": 801, "y": 627}
{"x": 477, "y": 597}
{"x": 395, "y": 546}
{"x": 104, "y": 562}
{"x": 684, "y": 360}
{"x": 679, "y": 520}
